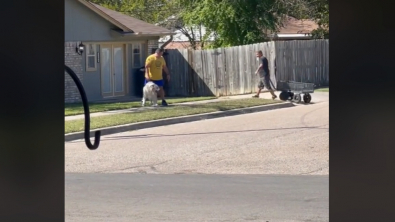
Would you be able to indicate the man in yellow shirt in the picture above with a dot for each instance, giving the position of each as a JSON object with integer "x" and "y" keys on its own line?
{"x": 153, "y": 71}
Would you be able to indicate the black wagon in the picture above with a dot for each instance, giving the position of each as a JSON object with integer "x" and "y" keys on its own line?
{"x": 293, "y": 91}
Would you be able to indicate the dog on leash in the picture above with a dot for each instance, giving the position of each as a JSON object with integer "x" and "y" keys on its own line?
{"x": 150, "y": 92}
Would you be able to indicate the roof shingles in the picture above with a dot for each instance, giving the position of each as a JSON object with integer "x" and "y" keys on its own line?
{"x": 134, "y": 25}
{"x": 295, "y": 26}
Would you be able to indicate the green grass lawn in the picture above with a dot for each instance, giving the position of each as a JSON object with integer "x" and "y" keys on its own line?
{"x": 162, "y": 113}
{"x": 77, "y": 108}
{"x": 322, "y": 89}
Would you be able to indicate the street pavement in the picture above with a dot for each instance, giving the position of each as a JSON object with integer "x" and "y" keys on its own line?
{"x": 180, "y": 198}
{"x": 267, "y": 166}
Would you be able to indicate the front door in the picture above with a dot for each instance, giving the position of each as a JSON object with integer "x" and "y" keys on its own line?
{"x": 113, "y": 70}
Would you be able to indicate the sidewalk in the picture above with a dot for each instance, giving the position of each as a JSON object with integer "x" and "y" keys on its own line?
{"x": 264, "y": 95}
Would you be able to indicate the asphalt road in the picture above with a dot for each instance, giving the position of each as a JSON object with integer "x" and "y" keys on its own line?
{"x": 181, "y": 198}
{"x": 214, "y": 170}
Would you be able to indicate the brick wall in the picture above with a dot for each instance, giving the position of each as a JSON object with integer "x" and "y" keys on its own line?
{"x": 74, "y": 61}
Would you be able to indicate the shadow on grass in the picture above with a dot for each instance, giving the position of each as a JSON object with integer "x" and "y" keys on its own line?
{"x": 77, "y": 108}
{"x": 217, "y": 106}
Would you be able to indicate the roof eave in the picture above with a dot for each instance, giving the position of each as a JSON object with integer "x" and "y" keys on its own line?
{"x": 299, "y": 35}
{"x": 140, "y": 34}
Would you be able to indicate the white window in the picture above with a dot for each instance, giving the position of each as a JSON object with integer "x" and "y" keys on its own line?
{"x": 136, "y": 55}
{"x": 91, "y": 64}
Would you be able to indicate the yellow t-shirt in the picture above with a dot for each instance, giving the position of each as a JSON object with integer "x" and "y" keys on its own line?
{"x": 155, "y": 66}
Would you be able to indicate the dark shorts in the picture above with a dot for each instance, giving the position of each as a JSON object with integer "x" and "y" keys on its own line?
{"x": 160, "y": 82}
{"x": 264, "y": 83}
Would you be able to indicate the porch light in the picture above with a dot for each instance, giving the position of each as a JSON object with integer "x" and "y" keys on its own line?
{"x": 80, "y": 49}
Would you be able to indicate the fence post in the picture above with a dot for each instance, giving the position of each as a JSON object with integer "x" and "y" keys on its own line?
{"x": 191, "y": 83}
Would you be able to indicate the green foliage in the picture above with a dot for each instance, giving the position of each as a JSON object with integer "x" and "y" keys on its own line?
{"x": 235, "y": 22}
{"x": 320, "y": 13}
{"x": 151, "y": 11}
{"x": 240, "y": 22}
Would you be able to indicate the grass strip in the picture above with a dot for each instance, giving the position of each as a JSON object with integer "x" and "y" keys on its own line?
{"x": 164, "y": 112}
{"x": 77, "y": 108}
{"x": 322, "y": 89}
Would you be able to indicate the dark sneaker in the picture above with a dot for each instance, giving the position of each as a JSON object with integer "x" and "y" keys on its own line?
{"x": 255, "y": 96}
{"x": 164, "y": 103}
{"x": 274, "y": 97}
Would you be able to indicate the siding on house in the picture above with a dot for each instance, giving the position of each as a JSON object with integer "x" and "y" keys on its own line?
{"x": 91, "y": 79}
{"x": 82, "y": 24}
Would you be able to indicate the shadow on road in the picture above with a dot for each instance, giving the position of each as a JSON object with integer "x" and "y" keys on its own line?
{"x": 204, "y": 133}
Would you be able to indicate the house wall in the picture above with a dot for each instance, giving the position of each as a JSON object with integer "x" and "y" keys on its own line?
{"x": 74, "y": 61}
{"x": 91, "y": 79}
{"x": 84, "y": 25}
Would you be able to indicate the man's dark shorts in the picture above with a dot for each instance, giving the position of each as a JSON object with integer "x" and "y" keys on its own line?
{"x": 264, "y": 83}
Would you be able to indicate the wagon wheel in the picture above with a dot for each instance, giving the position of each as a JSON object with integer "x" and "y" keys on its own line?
{"x": 307, "y": 98}
{"x": 291, "y": 95}
{"x": 284, "y": 95}
{"x": 297, "y": 98}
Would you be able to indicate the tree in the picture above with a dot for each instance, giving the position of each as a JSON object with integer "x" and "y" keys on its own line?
{"x": 194, "y": 33}
{"x": 158, "y": 12}
{"x": 232, "y": 22}
{"x": 240, "y": 22}
{"x": 151, "y": 11}
{"x": 320, "y": 13}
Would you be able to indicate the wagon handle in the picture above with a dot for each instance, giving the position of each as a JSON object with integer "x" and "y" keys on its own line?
{"x": 86, "y": 112}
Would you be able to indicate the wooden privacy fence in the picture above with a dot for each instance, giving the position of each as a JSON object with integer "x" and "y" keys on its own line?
{"x": 230, "y": 71}
{"x": 303, "y": 61}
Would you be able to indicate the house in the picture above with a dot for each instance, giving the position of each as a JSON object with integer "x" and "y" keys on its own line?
{"x": 295, "y": 29}
{"x": 292, "y": 29}
{"x": 114, "y": 46}
{"x": 181, "y": 41}
{"x": 182, "y": 34}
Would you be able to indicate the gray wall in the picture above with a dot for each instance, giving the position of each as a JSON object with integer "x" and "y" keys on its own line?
{"x": 91, "y": 80}
{"x": 82, "y": 24}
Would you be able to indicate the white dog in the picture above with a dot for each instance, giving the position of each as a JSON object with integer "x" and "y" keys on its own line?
{"x": 150, "y": 92}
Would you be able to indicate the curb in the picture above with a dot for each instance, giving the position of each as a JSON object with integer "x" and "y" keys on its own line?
{"x": 175, "y": 120}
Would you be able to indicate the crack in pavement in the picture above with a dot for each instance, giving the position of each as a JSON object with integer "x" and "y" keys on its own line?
{"x": 302, "y": 119}
{"x": 319, "y": 169}
{"x": 151, "y": 166}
